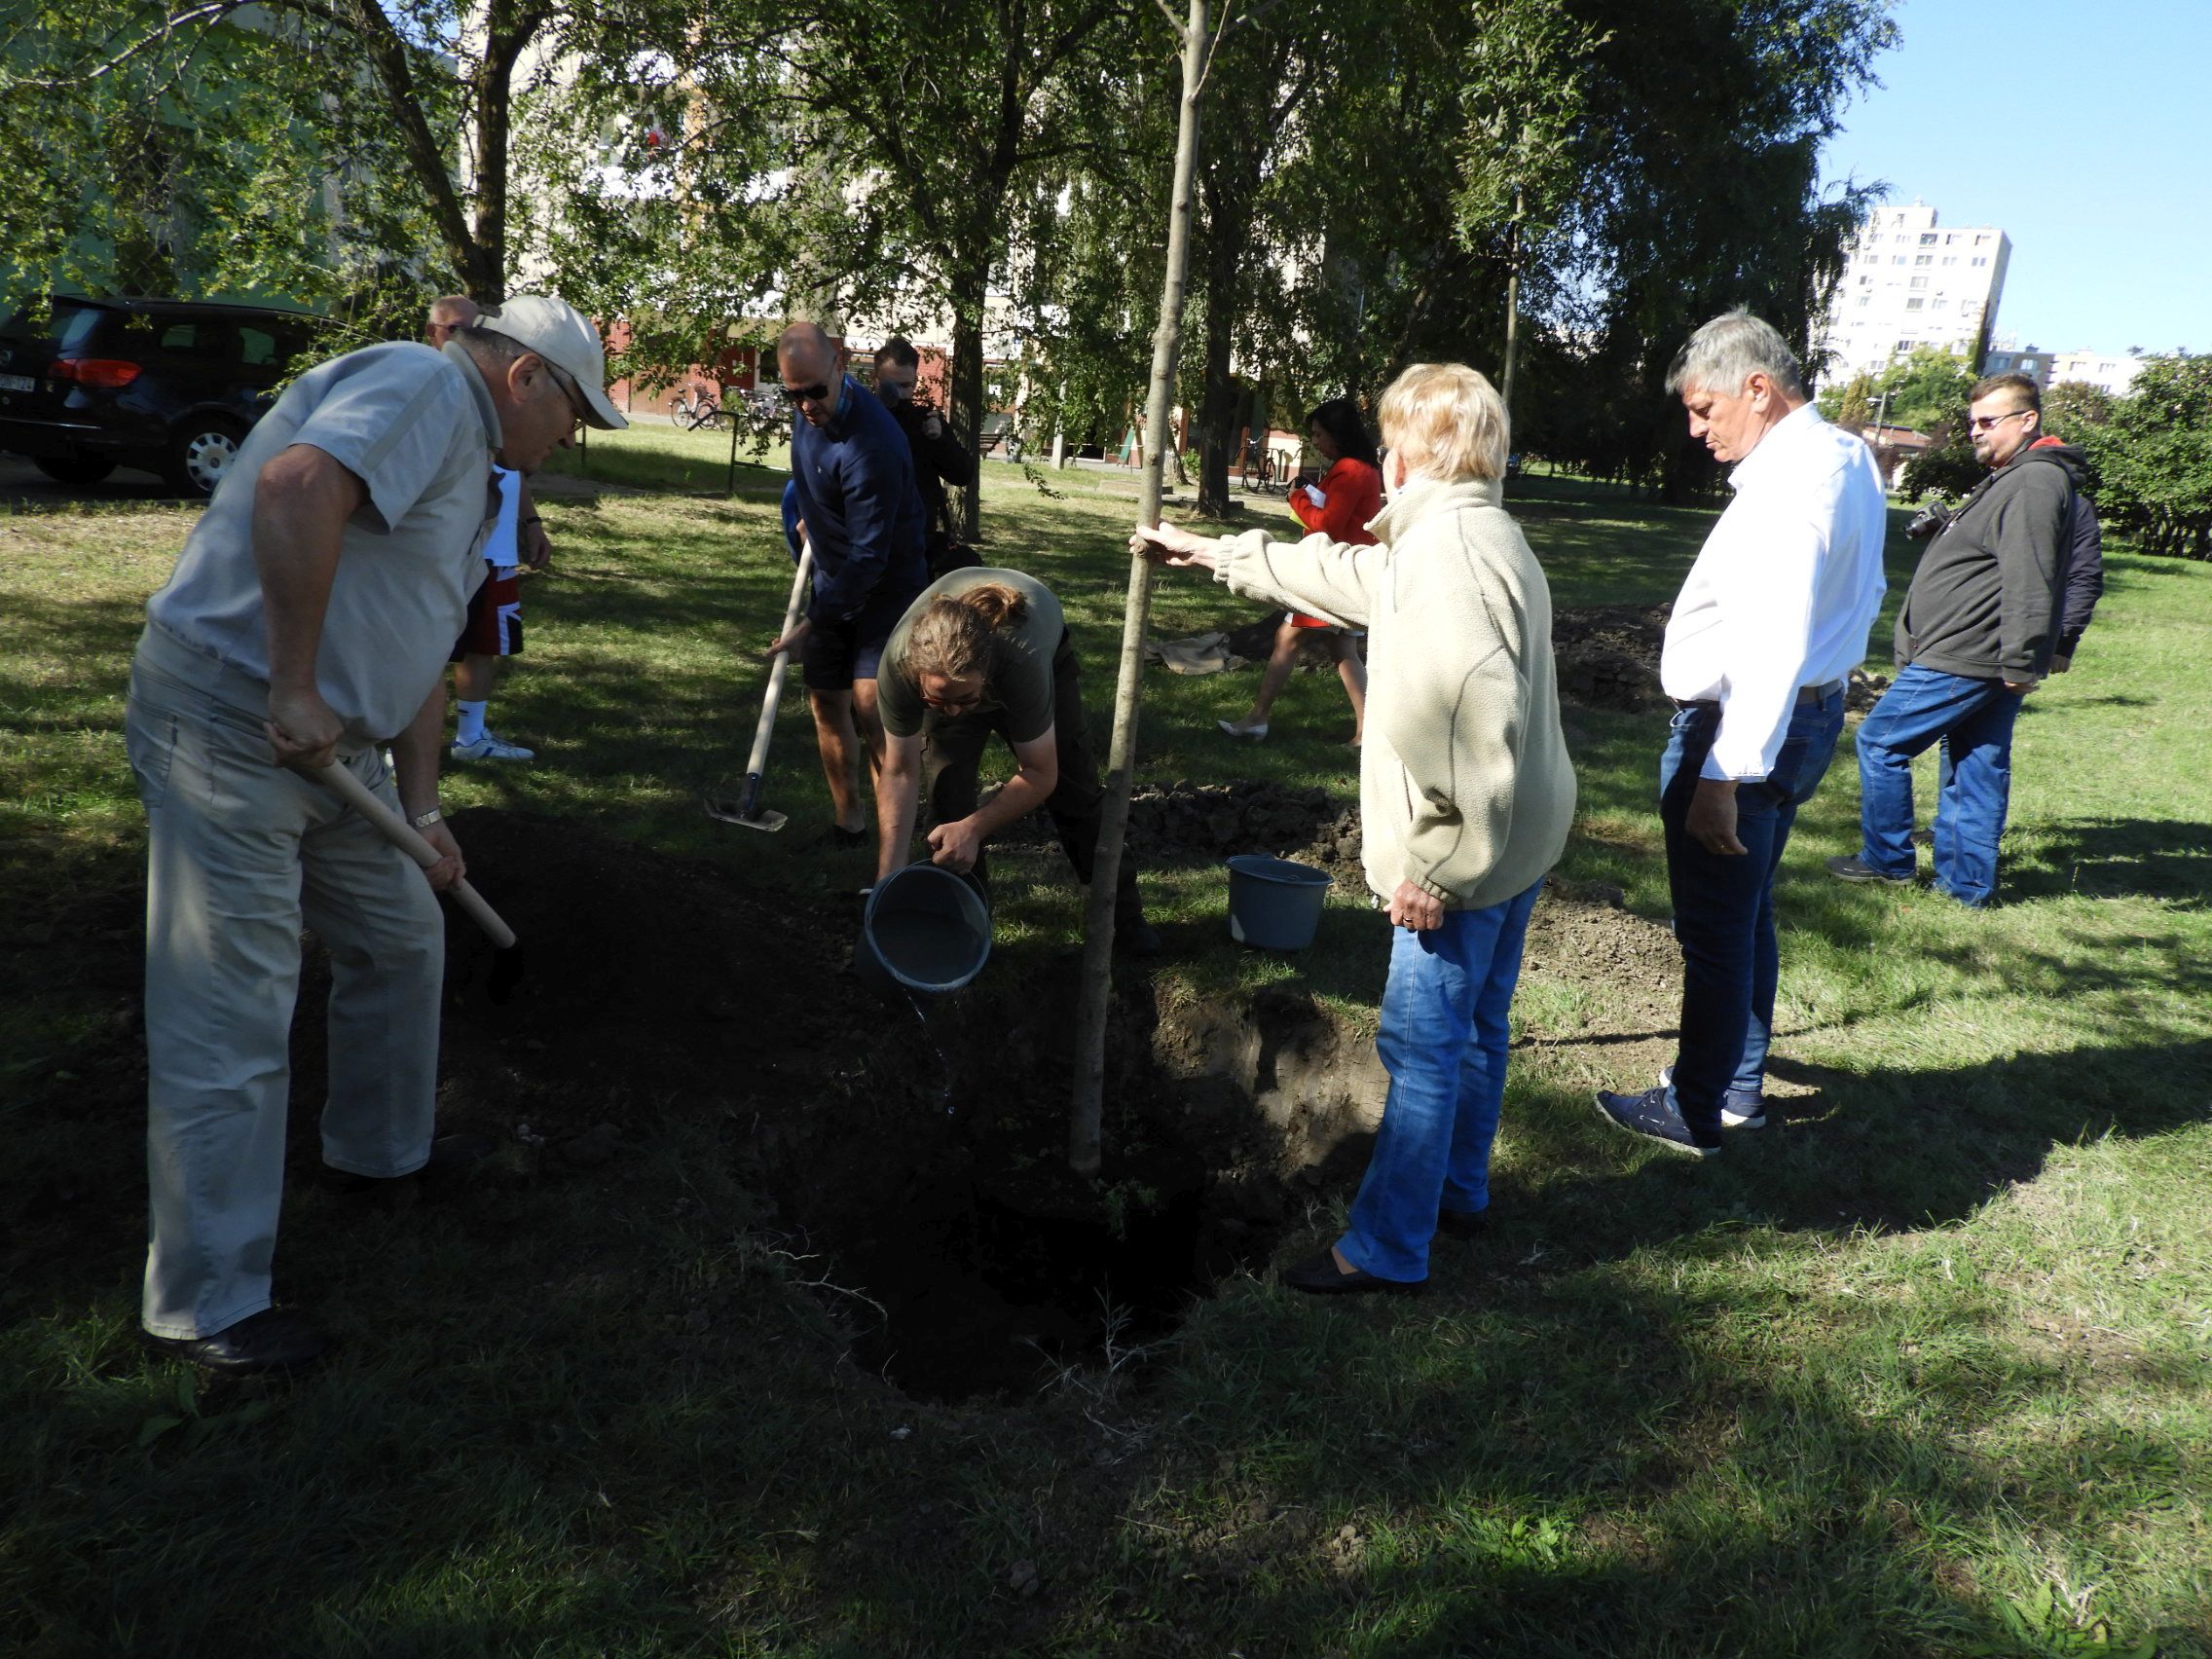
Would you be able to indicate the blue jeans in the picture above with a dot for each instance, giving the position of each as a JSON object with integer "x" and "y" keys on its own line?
{"x": 1443, "y": 1043}
{"x": 1973, "y": 719}
{"x": 1724, "y": 903}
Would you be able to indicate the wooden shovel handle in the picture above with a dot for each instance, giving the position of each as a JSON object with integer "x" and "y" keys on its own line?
{"x": 403, "y": 836}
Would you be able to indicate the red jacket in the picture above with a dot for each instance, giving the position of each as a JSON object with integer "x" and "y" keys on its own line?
{"x": 1353, "y": 494}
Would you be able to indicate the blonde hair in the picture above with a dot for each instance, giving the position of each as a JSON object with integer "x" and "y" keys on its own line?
{"x": 1448, "y": 420}
{"x": 953, "y": 637}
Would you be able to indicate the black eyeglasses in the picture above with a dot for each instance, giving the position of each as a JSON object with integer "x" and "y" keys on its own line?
{"x": 571, "y": 390}
{"x": 806, "y": 394}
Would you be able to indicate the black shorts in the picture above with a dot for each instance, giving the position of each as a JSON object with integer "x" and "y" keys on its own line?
{"x": 835, "y": 654}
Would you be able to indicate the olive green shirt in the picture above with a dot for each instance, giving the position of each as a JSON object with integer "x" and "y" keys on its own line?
{"x": 1018, "y": 678}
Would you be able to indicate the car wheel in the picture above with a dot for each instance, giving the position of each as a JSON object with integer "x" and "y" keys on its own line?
{"x": 77, "y": 469}
{"x": 200, "y": 453}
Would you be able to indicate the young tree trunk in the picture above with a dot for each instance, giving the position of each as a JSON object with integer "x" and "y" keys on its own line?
{"x": 1084, "y": 1111}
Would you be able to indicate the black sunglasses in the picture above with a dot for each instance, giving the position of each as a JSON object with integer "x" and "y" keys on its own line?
{"x": 806, "y": 393}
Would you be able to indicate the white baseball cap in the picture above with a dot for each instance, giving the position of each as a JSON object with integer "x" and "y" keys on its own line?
{"x": 564, "y": 336}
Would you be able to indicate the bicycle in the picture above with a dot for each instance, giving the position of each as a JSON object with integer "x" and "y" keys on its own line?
{"x": 694, "y": 410}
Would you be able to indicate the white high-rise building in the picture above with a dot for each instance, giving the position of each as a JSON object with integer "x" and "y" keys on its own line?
{"x": 1910, "y": 282}
{"x": 2114, "y": 372}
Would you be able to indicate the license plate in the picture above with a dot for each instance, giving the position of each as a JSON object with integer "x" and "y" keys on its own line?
{"x": 16, "y": 382}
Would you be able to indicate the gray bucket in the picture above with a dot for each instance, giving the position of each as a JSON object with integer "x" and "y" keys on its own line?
{"x": 1274, "y": 904}
{"x": 925, "y": 929}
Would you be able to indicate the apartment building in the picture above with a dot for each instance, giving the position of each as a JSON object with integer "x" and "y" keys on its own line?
{"x": 1911, "y": 280}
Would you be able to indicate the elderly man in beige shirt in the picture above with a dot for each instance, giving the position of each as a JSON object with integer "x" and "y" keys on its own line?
{"x": 308, "y": 624}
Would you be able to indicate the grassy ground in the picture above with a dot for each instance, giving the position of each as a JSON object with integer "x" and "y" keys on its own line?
{"x": 1922, "y": 1370}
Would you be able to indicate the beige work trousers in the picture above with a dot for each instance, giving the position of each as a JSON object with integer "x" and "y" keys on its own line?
{"x": 240, "y": 853}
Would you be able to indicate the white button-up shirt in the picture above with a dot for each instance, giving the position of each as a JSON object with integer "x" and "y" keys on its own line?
{"x": 1784, "y": 590}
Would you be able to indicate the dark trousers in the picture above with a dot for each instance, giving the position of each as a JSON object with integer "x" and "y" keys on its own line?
{"x": 952, "y": 751}
{"x": 1724, "y": 902}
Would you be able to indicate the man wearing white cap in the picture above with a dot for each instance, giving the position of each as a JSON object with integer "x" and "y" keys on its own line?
{"x": 308, "y": 624}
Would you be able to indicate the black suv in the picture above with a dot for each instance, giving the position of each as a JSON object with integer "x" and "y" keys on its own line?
{"x": 169, "y": 386}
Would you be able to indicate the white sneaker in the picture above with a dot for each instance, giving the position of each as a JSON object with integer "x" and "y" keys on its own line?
{"x": 493, "y": 747}
{"x": 1251, "y": 733}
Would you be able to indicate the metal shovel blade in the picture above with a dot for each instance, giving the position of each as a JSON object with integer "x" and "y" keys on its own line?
{"x": 746, "y": 810}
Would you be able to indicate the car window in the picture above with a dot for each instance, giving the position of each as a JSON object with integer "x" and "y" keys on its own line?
{"x": 258, "y": 348}
{"x": 194, "y": 337}
{"x": 67, "y": 329}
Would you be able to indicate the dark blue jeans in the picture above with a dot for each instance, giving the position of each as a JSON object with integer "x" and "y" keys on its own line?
{"x": 1442, "y": 1042}
{"x": 1973, "y": 719}
{"x": 1724, "y": 903}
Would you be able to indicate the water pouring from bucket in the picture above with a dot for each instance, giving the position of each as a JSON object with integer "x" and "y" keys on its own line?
{"x": 926, "y": 931}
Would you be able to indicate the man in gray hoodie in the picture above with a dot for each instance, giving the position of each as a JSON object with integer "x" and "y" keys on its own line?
{"x": 1976, "y": 634}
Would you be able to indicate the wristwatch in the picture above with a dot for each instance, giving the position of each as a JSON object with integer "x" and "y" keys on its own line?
{"x": 423, "y": 820}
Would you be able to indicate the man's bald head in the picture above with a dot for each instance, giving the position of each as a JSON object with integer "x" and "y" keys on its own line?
{"x": 807, "y": 359}
{"x": 449, "y": 312}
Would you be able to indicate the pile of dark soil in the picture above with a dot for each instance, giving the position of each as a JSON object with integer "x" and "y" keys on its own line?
{"x": 1608, "y": 654}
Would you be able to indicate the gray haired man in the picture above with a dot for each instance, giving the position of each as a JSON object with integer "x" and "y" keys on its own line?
{"x": 307, "y": 625}
{"x": 1772, "y": 617}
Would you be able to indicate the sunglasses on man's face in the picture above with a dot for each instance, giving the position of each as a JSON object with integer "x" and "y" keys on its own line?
{"x": 806, "y": 393}
{"x": 1983, "y": 422}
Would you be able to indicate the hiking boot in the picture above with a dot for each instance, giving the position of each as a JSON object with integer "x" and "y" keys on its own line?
{"x": 1655, "y": 1117}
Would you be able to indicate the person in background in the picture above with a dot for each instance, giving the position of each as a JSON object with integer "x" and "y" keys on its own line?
{"x": 1466, "y": 794}
{"x": 856, "y": 504}
{"x": 493, "y": 628}
{"x": 1977, "y": 632}
{"x": 981, "y": 651}
{"x": 1770, "y": 622}
{"x": 939, "y": 457}
{"x": 1339, "y": 504}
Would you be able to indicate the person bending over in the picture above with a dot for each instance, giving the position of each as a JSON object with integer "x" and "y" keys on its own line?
{"x": 985, "y": 650}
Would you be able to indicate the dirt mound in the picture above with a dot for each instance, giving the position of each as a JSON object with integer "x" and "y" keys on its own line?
{"x": 1608, "y": 654}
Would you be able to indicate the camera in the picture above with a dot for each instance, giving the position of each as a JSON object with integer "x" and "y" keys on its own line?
{"x": 1935, "y": 513}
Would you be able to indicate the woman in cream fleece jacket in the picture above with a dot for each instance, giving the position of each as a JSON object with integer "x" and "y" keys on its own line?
{"x": 1466, "y": 793}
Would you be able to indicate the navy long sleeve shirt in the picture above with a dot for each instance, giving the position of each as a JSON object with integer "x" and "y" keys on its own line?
{"x": 855, "y": 479}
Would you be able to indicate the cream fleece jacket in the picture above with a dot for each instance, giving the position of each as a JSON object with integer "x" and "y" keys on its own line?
{"x": 1464, "y": 784}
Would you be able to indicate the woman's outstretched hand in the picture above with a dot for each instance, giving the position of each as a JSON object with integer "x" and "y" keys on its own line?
{"x": 1171, "y": 546}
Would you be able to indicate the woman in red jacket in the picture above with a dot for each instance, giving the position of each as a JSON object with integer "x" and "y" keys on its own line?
{"x": 1338, "y": 505}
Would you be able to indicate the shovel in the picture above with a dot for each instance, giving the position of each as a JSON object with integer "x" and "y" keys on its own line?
{"x": 507, "y": 966}
{"x": 746, "y": 809}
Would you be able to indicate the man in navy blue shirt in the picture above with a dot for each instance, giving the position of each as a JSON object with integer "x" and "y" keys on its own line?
{"x": 854, "y": 475}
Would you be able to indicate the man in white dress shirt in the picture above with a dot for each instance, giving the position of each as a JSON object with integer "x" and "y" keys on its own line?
{"x": 1772, "y": 619}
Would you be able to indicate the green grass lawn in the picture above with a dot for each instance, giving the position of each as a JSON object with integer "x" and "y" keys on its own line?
{"x": 1923, "y": 1370}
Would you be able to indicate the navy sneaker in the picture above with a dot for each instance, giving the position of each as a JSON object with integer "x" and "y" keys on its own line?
{"x": 1654, "y": 1116}
{"x": 1738, "y": 1110}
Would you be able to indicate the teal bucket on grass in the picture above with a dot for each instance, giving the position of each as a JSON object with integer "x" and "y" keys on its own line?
{"x": 1274, "y": 904}
{"x": 925, "y": 929}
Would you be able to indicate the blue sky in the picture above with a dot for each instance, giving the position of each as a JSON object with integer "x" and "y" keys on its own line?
{"x": 2083, "y": 131}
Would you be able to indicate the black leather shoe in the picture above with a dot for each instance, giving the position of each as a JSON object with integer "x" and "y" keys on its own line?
{"x": 1320, "y": 1276}
{"x": 1855, "y": 868}
{"x": 1462, "y": 1224}
{"x": 266, "y": 1343}
{"x": 452, "y": 1157}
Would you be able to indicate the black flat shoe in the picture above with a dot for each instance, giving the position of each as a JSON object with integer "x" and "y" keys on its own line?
{"x": 266, "y": 1343}
{"x": 1464, "y": 1224}
{"x": 1320, "y": 1276}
